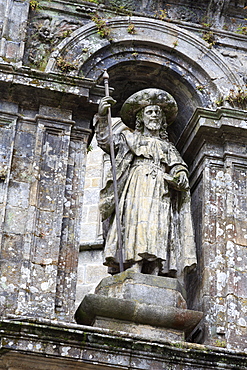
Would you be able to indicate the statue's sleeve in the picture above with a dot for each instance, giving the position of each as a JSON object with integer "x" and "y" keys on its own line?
{"x": 123, "y": 163}
{"x": 175, "y": 161}
{"x": 102, "y": 133}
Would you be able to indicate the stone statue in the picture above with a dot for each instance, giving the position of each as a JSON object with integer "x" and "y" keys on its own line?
{"x": 153, "y": 188}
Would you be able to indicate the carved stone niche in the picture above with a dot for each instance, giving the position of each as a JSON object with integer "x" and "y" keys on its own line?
{"x": 145, "y": 305}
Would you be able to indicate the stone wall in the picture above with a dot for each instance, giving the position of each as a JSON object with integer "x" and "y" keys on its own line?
{"x": 52, "y": 55}
{"x": 90, "y": 264}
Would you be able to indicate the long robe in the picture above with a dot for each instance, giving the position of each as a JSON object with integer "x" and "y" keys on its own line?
{"x": 155, "y": 214}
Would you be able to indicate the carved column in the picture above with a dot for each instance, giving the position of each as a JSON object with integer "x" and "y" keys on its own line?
{"x": 214, "y": 146}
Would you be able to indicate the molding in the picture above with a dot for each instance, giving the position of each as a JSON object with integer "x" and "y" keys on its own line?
{"x": 215, "y": 125}
{"x": 80, "y": 134}
{"x": 31, "y": 87}
{"x": 94, "y": 305}
{"x": 26, "y": 75}
{"x": 151, "y": 31}
{"x": 88, "y": 246}
{"x": 73, "y": 346}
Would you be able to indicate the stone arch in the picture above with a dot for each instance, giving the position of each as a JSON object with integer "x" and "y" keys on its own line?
{"x": 159, "y": 54}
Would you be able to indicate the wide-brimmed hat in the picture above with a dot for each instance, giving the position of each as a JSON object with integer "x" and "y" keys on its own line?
{"x": 142, "y": 99}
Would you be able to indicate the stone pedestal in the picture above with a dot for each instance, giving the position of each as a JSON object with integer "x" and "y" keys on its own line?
{"x": 146, "y": 305}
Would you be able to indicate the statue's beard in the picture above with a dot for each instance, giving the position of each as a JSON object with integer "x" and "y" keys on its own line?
{"x": 153, "y": 125}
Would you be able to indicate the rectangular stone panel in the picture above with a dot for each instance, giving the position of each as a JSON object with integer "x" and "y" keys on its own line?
{"x": 69, "y": 247}
{"x": 9, "y": 261}
{"x": 50, "y": 192}
{"x": 240, "y": 204}
{"x": 7, "y": 132}
{"x": 49, "y": 156}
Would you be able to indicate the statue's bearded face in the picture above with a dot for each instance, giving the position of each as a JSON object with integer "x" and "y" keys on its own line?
{"x": 152, "y": 117}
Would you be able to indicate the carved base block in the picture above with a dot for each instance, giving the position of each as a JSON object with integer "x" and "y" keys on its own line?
{"x": 143, "y": 288}
{"x": 146, "y": 305}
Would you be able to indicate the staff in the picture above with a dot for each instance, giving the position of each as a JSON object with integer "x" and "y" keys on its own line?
{"x": 113, "y": 163}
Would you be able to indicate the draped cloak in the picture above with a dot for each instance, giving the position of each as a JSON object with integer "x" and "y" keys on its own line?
{"x": 155, "y": 214}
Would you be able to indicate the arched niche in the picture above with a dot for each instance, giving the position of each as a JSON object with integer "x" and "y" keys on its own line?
{"x": 159, "y": 54}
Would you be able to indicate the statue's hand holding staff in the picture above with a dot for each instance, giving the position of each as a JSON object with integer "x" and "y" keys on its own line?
{"x": 105, "y": 103}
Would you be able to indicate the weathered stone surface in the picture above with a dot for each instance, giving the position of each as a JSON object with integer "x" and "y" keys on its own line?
{"x": 138, "y": 303}
{"x": 143, "y": 288}
{"x": 45, "y": 344}
{"x": 196, "y": 51}
{"x": 207, "y": 86}
{"x": 33, "y": 89}
{"x": 144, "y": 331}
{"x": 153, "y": 219}
{"x": 123, "y": 309}
{"x": 43, "y": 162}
{"x": 13, "y": 22}
{"x": 219, "y": 171}
{"x": 90, "y": 264}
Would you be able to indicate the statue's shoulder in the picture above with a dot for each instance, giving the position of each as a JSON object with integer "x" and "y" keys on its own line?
{"x": 128, "y": 133}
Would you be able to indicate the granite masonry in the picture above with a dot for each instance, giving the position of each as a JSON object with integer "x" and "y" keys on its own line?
{"x": 52, "y": 57}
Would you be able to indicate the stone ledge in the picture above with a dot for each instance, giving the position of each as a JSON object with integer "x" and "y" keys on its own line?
{"x": 36, "y": 87}
{"x": 213, "y": 124}
{"x": 91, "y": 246}
{"x": 41, "y": 344}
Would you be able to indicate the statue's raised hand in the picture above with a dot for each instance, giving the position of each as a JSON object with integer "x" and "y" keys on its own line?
{"x": 104, "y": 104}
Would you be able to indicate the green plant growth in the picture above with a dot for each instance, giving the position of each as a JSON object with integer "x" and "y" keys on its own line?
{"x": 161, "y": 14}
{"x": 209, "y": 38}
{"x": 65, "y": 65}
{"x": 220, "y": 101}
{"x": 103, "y": 29}
{"x": 34, "y": 5}
{"x": 89, "y": 148}
{"x": 242, "y": 30}
{"x": 125, "y": 6}
{"x": 66, "y": 34}
{"x": 206, "y": 25}
{"x": 205, "y": 21}
{"x": 200, "y": 87}
{"x": 131, "y": 29}
{"x": 220, "y": 343}
{"x": 122, "y": 8}
{"x": 238, "y": 97}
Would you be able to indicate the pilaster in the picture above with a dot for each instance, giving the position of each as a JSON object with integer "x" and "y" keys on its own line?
{"x": 14, "y": 30}
{"x": 42, "y": 173}
{"x": 214, "y": 146}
